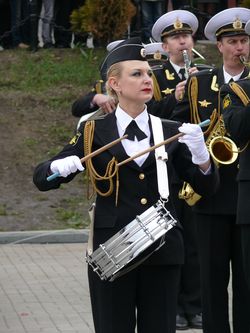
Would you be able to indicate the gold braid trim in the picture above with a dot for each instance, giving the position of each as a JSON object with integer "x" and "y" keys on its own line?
{"x": 193, "y": 96}
{"x": 92, "y": 175}
{"x": 98, "y": 87}
{"x": 240, "y": 92}
{"x": 157, "y": 91}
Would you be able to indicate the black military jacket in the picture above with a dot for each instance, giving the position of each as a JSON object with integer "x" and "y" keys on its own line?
{"x": 236, "y": 114}
{"x": 165, "y": 80}
{"x": 133, "y": 187}
{"x": 200, "y": 101}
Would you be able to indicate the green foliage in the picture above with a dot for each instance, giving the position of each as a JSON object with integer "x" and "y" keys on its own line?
{"x": 47, "y": 69}
{"x": 107, "y": 20}
{"x": 245, "y": 3}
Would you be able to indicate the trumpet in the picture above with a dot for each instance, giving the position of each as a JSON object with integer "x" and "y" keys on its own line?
{"x": 187, "y": 63}
{"x": 244, "y": 61}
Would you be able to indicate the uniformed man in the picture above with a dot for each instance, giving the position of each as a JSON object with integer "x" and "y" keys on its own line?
{"x": 155, "y": 55}
{"x": 235, "y": 108}
{"x": 218, "y": 235}
{"x": 175, "y": 30}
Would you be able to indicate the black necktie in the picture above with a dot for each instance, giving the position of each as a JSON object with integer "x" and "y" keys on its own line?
{"x": 231, "y": 80}
{"x": 133, "y": 130}
{"x": 182, "y": 73}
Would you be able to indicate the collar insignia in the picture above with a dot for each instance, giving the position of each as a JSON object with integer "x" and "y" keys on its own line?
{"x": 169, "y": 76}
{"x": 214, "y": 84}
{"x": 204, "y": 103}
{"x": 167, "y": 91}
{"x": 75, "y": 138}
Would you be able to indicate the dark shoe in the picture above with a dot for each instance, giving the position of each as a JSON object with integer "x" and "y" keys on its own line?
{"x": 62, "y": 46}
{"x": 195, "y": 321}
{"x": 48, "y": 46}
{"x": 181, "y": 322}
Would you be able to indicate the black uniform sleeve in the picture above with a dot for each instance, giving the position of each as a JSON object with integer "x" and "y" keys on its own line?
{"x": 236, "y": 115}
{"x": 181, "y": 111}
{"x": 162, "y": 108}
{"x": 83, "y": 105}
{"x": 42, "y": 171}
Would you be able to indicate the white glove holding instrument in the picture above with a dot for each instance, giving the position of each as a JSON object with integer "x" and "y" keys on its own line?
{"x": 66, "y": 166}
{"x": 193, "y": 137}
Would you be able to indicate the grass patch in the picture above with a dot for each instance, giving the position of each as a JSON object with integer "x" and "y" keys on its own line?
{"x": 3, "y": 210}
{"x": 43, "y": 70}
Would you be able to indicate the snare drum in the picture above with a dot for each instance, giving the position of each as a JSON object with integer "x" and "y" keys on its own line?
{"x": 109, "y": 260}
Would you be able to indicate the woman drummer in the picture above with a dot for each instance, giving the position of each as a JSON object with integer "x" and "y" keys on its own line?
{"x": 145, "y": 296}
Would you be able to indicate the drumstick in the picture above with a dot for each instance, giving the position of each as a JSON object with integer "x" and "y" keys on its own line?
{"x": 94, "y": 153}
{"x": 172, "y": 138}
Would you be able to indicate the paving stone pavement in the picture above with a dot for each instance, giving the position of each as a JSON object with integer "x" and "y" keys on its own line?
{"x": 44, "y": 288}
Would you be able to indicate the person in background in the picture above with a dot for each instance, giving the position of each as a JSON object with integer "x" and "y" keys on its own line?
{"x": 235, "y": 99}
{"x": 62, "y": 33}
{"x": 20, "y": 23}
{"x": 219, "y": 240}
{"x": 5, "y": 25}
{"x": 174, "y": 30}
{"x": 47, "y": 21}
{"x": 151, "y": 10}
{"x": 145, "y": 297}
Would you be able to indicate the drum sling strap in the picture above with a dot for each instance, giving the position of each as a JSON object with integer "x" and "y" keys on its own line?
{"x": 163, "y": 187}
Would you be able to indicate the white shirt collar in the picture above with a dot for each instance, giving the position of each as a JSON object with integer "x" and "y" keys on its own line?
{"x": 123, "y": 119}
{"x": 228, "y": 77}
{"x": 176, "y": 67}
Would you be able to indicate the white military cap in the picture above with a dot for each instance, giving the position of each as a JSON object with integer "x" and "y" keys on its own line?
{"x": 228, "y": 22}
{"x": 113, "y": 44}
{"x": 247, "y": 27}
{"x": 174, "y": 22}
{"x": 155, "y": 51}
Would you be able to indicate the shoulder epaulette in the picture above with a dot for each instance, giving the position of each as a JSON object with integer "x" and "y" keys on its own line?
{"x": 240, "y": 92}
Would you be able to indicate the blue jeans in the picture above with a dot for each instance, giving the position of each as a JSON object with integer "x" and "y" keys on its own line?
{"x": 150, "y": 12}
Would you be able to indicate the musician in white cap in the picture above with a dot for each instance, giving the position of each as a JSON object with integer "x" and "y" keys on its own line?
{"x": 219, "y": 240}
{"x": 175, "y": 31}
{"x": 155, "y": 55}
{"x": 143, "y": 298}
{"x": 235, "y": 98}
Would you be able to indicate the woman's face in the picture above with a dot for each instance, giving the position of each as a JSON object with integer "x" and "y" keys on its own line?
{"x": 135, "y": 82}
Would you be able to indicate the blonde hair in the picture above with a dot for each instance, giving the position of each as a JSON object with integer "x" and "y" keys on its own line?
{"x": 114, "y": 70}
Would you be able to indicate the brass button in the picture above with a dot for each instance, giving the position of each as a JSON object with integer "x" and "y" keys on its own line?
{"x": 141, "y": 176}
{"x": 144, "y": 201}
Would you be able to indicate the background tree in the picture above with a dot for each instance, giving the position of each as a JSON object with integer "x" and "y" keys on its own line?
{"x": 107, "y": 20}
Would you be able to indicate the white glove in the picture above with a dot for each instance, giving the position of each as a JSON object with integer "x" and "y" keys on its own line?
{"x": 193, "y": 137}
{"x": 66, "y": 166}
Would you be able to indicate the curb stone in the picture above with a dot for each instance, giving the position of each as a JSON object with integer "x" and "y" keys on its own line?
{"x": 44, "y": 236}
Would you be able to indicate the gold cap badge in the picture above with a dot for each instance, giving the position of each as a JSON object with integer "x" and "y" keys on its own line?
{"x": 157, "y": 55}
{"x": 237, "y": 24}
{"x": 178, "y": 24}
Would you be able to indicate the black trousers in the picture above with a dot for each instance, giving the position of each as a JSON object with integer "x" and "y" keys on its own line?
{"x": 146, "y": 297}
{"x": 219, "y": 246}
{"x": 245, "y": 238}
